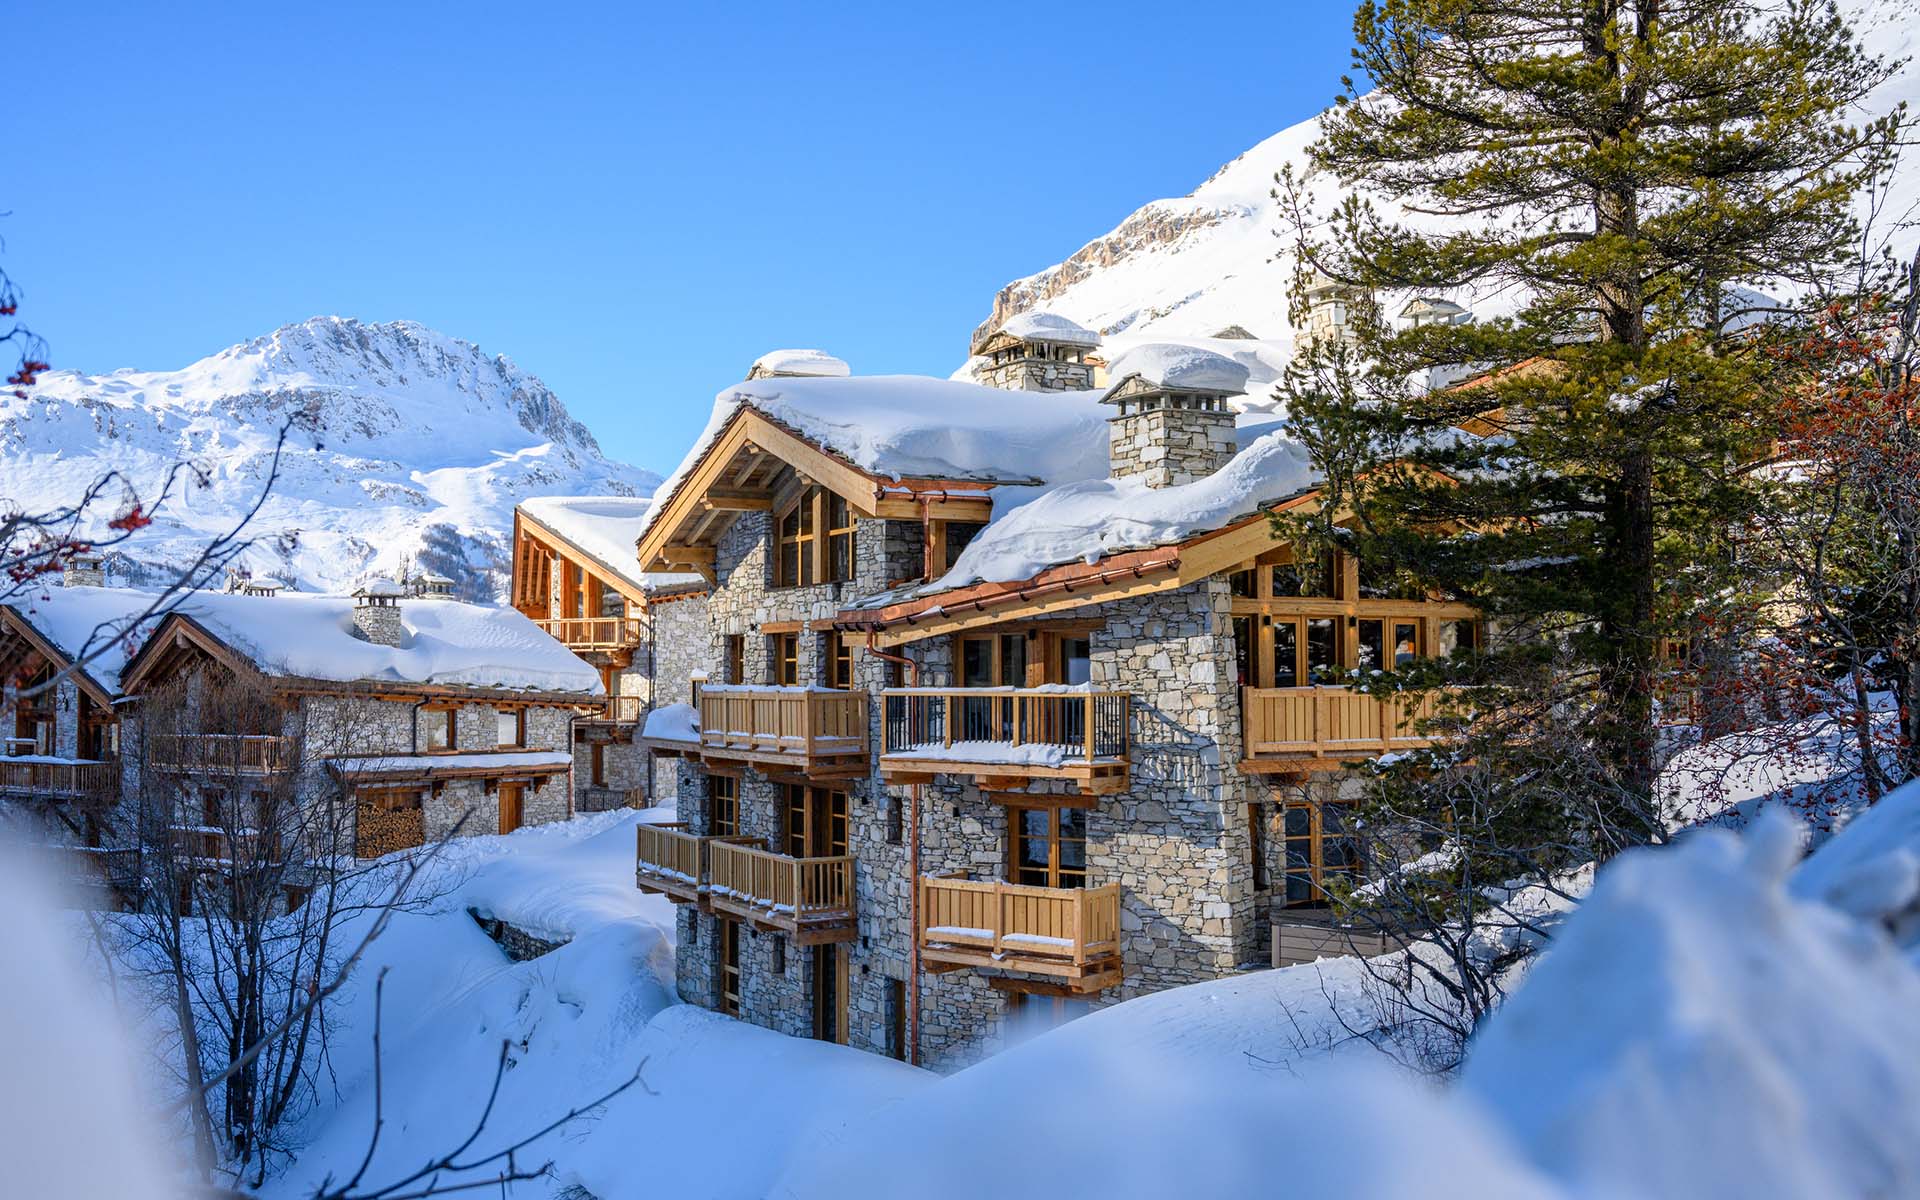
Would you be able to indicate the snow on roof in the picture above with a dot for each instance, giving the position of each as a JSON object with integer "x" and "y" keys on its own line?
{"x": 1048, "y": 327}
{"x": 1179, "y": 366}
{"x": 1095, "y": 518}
{"x": 80, "y": 620}
{"x": 915, "y": 425}
{"x": 607, "y": 528}
{"x": 446, "y": 642}
{"x": 385, "y": 589}
{"x": 800, "y": 362}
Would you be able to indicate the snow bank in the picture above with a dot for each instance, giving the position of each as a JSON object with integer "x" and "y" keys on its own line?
{"x": 1034, "y": 326}
{"x": 1178, "y": 365}
{"x": 1808, "y": 768}
{"x": 447, "y": 642}
{"x": 607, "y": 528}
{"x": 800, "y": 362}
{"x": 1087, "y": 521}
{"x": 673, "y": 723}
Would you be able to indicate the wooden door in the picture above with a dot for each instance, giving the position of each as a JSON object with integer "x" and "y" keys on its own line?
{"x": 830, "y": 993}
{"x": 512, "y": 796}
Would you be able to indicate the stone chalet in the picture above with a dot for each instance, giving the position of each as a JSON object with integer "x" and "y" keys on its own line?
{"x": 1010, "y": 700}
{"x": 574, "y": 575}
{"x": 410, "y": 717}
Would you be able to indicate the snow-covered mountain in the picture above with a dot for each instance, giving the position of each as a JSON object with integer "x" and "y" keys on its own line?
{"x": 1189, "y": 268}
{"x": 401, "y": 440}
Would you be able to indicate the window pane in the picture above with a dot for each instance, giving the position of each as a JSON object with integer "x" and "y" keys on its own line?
{"x": 976, "y": 662}
{"x": 1322, "y": 643}
{"x": 1406, "y": 643}
{"x": 1372, "y": 645}
{"x": 1076, "y": 660}
{"x": 1243, "y": 651}
{"x": 1013, "y": 659}
{"x": 1286, "y": 659}
{"x": 509, "y": 725}
{"x": 1241, "y": 583}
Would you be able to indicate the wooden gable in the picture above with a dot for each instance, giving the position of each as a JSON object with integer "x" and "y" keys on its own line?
{"x": 21, "y": 643}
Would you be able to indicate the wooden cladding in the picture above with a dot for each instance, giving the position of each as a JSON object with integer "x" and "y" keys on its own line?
{"x": 1073, "y": 933}
{"x": 810, "y": 899}
{"x": 1318, "y": 728}
{"x": 232, "y": 753}
{"x": 594, "y": 633}
{"x": 793, "y": 726}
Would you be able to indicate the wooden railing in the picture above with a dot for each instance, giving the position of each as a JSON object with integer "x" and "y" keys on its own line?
{"x": 669, "y": 859}
{"x": 791, "y": 893}
{"x": 789, "y": 721}
{"x": 1331, "y": 722}
{"x": 243, "y": 753}
{"x": 1023, "y": 928}
{"x": 594, "y": 633}
{"x": 626, "y": 709}
{"x": 1007, "y": 724}
{"x": 60, "y": 778}
{"x": 242, "y": 846}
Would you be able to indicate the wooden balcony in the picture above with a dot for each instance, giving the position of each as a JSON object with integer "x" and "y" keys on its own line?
{"x": 813, "y": 730}
{"x": 210, "y": 845}
{"x": 38, "y": 779}
{"x": 674, "y": 863}
{"x": 1007, "y": 737}
{"x": 222, "y": 753}
{"x": 620, "y": 710}
{"x": 594, "y": 633}
{"x": 1301, "y": 730}
{"x": 1069, "y": 933}
{"x": 811, "y": 900}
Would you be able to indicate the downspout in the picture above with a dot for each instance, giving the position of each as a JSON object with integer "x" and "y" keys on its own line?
{"x": 913, "y": 875}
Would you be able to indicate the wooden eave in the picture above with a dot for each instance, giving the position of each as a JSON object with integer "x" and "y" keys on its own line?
{"x": 179, "y": 636}
{"x": 11, "y": 621}
{"x": 439, "y": 773}
{"x": 755, "y": 460}
{"x": 561, "y": 546}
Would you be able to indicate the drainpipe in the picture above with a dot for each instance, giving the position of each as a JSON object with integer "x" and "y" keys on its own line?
{"x": 913, "y": 875}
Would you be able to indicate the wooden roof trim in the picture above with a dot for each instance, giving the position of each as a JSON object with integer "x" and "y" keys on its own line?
{"x": 558, "y": 544}
{"x": 177, "y": 631}
{"x": 12, "y": 619}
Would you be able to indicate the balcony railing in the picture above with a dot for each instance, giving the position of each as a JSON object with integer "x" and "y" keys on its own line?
{"x": 1062, "y": 732}
{"x": 594, "y": 633}
{"x": 235, "y": 753}
{"x": 815, "y": 729}
{"x": 1073, "y": 933}
{"x": 625, "y": 710}
{"x": 810, "y": 899}
{"x": 214, "y": 845}
{"x": 1318, "y": 728}
{"x": 674, "y": 862}
{"x": 60, "y": 780}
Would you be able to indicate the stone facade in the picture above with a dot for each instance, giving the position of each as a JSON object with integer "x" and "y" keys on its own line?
{"x": 1168, "y": 446}
{"x": 1037, "y": 374}
{"x": 379, "y": 623}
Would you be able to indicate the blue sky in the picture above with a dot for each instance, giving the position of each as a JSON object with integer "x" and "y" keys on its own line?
{"x": 632, "y": 201}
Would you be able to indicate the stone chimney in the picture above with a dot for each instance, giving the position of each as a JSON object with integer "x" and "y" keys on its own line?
{"x": 798, "y": 364}
{"x": 83, "y": 570}
{"x": 1175, "y": 424}
{"x": 1329, "y": 309}
{"x": 1037, "y": 352}
{"x": 376, "y": 613}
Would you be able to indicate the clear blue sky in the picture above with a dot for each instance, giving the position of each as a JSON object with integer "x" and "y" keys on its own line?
{"x": 630, "y": 200}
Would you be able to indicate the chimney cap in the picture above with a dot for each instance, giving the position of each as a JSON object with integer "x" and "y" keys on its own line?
{"x": 379, "y": 590}
{"x": 1041, "y": 327}
{"x": 1177, "y": 368}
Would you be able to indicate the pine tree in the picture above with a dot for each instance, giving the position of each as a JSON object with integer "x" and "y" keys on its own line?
{"x": 1637, "y": 174}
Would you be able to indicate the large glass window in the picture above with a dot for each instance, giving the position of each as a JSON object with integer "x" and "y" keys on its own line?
{"x": 723, "y": 805}
{"x": 1286, "y": 654}
{"x": 1323, "y": 648}
{"x": 841, "y": 533}
{"x": 1320, "y": 857}
{"x": 794, "y": 550}
{"x": 1050, "y": 847}
{"x": 815, "y": 540}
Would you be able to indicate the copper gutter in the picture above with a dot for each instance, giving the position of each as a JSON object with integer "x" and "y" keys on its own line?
{"x": 913, "y": 877}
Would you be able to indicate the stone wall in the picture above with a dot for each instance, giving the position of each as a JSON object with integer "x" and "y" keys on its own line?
{"x": 1167, "y": 446}
{"x": 1037, "y": 375}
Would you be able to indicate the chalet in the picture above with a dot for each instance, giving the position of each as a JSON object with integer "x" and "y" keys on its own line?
{"x": 644, "y": 632}
{"x": 1011, "y": 699}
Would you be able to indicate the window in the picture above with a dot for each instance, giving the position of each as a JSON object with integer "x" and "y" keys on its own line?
{"x": 814, "y": 540}
{"x": 1050, "y": 847}
{"x": 897, "y": 1019}
{"x": 723, "y": 805}
{"x": 436, "y": 729}
{"x": 959, "y": 534}
{"x": 784, "y": 649}
{"x": 1320, "y": 856}
{"x": 729, "y": 932}
{"x": 777, "y": 953}
{"x": 837, "y": 659}
{"x": 1257, "y": 839}
{"x": 1302, "y": 579}
{"x": 1372, "y": 646}
{"x": 512, "y": 725}
{"x": 1406, "y": 643}
{"x": 816, "y": 821}
{"x": 599, "y": 761}
{"x": 390, "y": 799}
{"x": 1286, "y": 654}
{"x": 1461, "y": 637}
{"x": 736, "y": 659}
{"x": 1323, "y": 648}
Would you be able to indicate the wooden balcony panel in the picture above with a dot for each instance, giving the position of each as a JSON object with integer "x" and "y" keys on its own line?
{"x": 212, "y": 846}
{"x": 670, "y": 861}
{"x": 76, "y": 780}
{"x": 1007, "y": 737}
{"x": 232, "y": 753}
{"x": 1067, "y": 933}
{"x": 820, "y": 732}
{"x": 811, "y": 900}
{"x": 1310, "y": 729}
{"x": 594, "y": 633}
{"x": 620, "y": 710}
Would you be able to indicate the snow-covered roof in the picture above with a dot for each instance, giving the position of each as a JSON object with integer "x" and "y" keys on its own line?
{"x": 1048, "y": 327}
{"x": 606, "y": 527}
{"x": 799, "y": 362}
{"x": 444, "y": 642}
{"x": 1178, "y": 367}
{"x": 1096, "y": 518}
{"x": 381, "y": 589}
{"x": 79, "y": 620}
{"x": 897, "y": 426}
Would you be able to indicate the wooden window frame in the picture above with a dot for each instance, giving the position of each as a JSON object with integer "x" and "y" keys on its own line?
{"x": 836, "y": 661}
{"x": 519, "y": 718}
{"x": 1017, "y": 833}
{"x": 1316, "y": 872}
{"x": 736, "y": 650}
{"x": 723, "y": 804}
{"x": 423, "y": 724}
{"x": 731, "y": 966}
{"x": 783, "y": 656}
{"x": 811, "y": 804}
{"x": 822, "y": 521}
